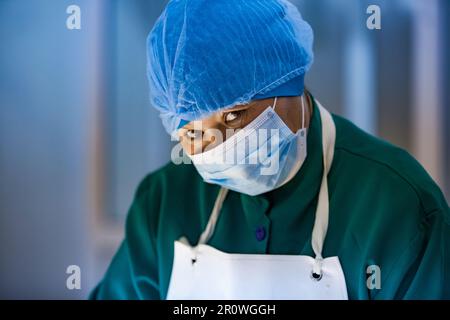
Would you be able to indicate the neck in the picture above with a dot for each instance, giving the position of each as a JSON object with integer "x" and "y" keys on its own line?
{"x": 308, "y": 108}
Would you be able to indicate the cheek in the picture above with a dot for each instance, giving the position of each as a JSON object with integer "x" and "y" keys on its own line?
{"x": 214, "y": 137}
{"x": 292, "y": 118}
{"x": 190, "y": 148}
{"x": 185, "y": 146}
{"x": 249, "y": 116}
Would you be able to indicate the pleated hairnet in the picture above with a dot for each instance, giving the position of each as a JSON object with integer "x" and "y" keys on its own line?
{"x": 209, "y": 55}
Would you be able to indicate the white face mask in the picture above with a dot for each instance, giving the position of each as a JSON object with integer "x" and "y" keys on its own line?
{"x": 260, "y": 157}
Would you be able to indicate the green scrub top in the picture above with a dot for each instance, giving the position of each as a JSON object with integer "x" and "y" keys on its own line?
{"x": 385, "y": 211}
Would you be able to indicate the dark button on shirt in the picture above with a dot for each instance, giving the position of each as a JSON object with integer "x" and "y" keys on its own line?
{"x": 260, "y": 233}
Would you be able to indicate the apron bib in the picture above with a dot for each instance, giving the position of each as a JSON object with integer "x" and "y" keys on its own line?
{"x": 203, "y": 272}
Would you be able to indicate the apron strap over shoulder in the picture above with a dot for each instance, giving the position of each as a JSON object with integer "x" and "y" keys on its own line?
{"x": 321, "y": 220}
{"x": 209, "y": 230}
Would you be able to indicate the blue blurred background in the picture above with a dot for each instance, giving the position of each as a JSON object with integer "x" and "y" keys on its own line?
{"x": 77, "y": 132}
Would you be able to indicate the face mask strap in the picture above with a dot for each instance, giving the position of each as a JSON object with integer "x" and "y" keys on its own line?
{"x": 275, "y": 103}
{"x": 303, "y": 108}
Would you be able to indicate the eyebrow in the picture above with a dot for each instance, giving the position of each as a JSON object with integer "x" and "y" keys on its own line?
{"x": 240, "y": 107}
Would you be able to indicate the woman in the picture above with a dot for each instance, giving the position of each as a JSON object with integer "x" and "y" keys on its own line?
{"x": 282, "y": 200}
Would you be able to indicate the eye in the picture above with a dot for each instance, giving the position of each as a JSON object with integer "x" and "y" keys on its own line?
{"x": 233, "y": 118}
{"x": 193, "y": 134}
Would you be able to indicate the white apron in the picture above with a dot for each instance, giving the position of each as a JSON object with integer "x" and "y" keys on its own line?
{"x": 203, "y": 272}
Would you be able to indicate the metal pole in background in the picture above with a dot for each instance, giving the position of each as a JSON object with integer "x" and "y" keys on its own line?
{"x": 427, "y": 106}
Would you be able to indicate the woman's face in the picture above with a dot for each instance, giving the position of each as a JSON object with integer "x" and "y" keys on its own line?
{"x": 202, "y": 135}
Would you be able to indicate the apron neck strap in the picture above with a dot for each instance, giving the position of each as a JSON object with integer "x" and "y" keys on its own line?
{"x": 209, "y": 230}
{"x": 322, "y": 211}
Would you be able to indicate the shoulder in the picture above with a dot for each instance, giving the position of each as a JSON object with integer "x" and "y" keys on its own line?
{"x": 171, "y": 177}
{"x": 159, "y": 191}
{"x": 168, "y": 185}
{"x": 391, "y": 166}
